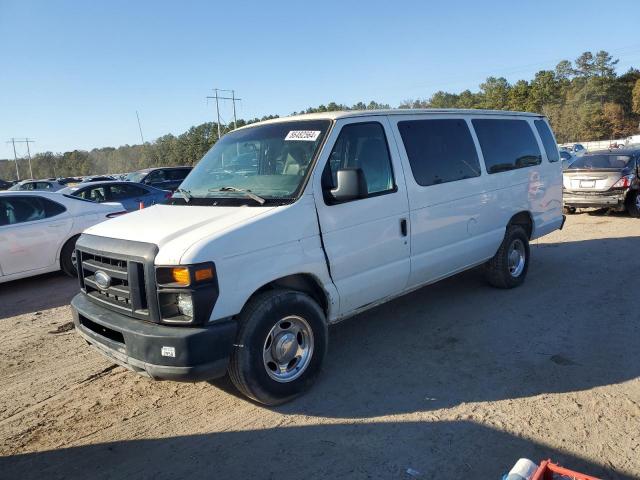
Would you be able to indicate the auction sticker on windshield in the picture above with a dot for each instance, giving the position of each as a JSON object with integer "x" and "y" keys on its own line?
{"x": 304, "y": 135}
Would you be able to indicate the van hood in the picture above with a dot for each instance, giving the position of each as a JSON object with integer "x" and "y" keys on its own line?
{"x": 160, "y": 224}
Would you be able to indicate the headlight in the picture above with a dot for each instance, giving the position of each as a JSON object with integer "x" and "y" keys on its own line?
{"x": 185, "y": 304}
{"x": 186, "y": 293}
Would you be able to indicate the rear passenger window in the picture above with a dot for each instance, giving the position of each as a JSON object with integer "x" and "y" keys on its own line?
{"x": 439, "y": 151}
{"x": 51, "y": 208}
{"x": 20, "y": 210}
{"x": 506, "y": 144}
{"x": 550, "y": 147}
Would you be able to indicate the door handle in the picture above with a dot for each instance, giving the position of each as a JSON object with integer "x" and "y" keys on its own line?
{"x": 403, "y": 227}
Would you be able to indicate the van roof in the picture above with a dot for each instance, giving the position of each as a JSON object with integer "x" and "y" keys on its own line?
{"x": 397, "y": 111}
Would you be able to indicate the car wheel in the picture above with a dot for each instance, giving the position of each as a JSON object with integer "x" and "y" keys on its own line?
{"x": 68, "y": 262}
{"x": 281, "y": 343}
{"x": 633, "y": 204}
{"x": 508, "y": 268}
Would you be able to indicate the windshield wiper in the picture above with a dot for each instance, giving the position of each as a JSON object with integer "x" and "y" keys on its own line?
{"x": 185, "y": 193}
{"x": 247, "y": 193}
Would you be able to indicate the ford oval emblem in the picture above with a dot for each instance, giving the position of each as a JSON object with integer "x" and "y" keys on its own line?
{"x": 102, "y": 279}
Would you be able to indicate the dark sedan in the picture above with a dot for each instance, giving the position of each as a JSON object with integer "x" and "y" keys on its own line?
{"x": 166, "y": 178}
{"x": 131, "y": 195}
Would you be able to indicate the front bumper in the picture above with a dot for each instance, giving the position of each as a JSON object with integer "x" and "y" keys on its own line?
{"x": 608, "y": 199}
{"x": 199, "y": 353}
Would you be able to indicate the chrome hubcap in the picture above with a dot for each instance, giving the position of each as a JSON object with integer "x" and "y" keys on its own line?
{"x": 288, "y": 349}
{"x": 516, "y": 258}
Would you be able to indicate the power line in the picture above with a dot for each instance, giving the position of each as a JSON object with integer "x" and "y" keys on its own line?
{"x": 233, "y": 99}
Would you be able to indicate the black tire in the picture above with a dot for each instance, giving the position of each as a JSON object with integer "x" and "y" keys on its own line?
{"x": 247, "y": 367}
{"x": 497, "y": 270}
{"x": 633, "y": 204}
{"x": 66, "y": 257}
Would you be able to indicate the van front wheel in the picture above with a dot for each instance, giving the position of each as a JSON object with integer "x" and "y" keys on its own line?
{"x": 508, "y": 268}
{"x": 281, "y": 343}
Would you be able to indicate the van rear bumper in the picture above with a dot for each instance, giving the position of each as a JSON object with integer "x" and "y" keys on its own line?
{"x": 186, "y": 354}
{"x": 609, "y": 199}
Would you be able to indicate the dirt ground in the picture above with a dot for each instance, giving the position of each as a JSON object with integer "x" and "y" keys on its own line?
{"x": 456, "y": 380}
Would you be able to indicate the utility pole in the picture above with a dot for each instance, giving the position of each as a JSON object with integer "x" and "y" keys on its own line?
{"x": 218, "y": 113}
{"x": 15, "y": 157}
{"x": 29, "y": 155}
{"x": 27, "y": 141}
{"x": 235, "y": 119}
{"x": 140, "y": 127}
{"x": 218, "y": 98}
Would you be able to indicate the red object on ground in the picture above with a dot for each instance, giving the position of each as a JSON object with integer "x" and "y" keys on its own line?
{"x": 141, "y": 205}
{"x": 547, "y": 469}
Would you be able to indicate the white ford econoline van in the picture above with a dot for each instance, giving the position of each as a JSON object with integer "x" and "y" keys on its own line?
{"x": 289, "y": 225}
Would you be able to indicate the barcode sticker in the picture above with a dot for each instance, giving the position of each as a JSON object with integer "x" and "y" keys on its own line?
{"x": 304, "y": 135}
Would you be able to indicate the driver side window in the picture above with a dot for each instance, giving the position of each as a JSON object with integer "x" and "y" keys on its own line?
{"x": 155, "y": 177}
{"x": 362, "y": 146}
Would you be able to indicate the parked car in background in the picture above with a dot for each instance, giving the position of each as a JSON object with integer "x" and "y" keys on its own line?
{"x": 607, "y": 179}
{"x": 38, "y": 231}
{"x": 4, "y": 185}
{"x": 567, "y": 157}
{"x": 129, "y": 194}
{"x": 43, "y": 185}
{"x": 97, "y": 178}
{"x": 575, "y": 148}
{"x": 287, "y": 226}
{"x": 69, "y": 180}
{"x": 164, "y": 178}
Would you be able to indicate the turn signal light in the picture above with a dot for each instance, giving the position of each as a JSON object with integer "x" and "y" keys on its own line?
{"x": 203, "y": 274}
{"x": 180, "y": 275}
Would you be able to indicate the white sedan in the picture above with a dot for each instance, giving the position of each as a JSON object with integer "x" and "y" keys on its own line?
{"x": 38, "y": 231}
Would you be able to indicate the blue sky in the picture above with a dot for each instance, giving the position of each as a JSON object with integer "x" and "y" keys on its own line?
{"x": 74, "y": 73}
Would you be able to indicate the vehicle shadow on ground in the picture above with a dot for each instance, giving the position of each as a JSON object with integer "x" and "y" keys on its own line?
{"x": 460, "y": 340}
{"x": 37, "y": 293}
{"x": 459, "y": 449}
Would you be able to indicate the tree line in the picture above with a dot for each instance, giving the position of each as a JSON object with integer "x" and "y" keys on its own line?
{"x": 584, "y": 100}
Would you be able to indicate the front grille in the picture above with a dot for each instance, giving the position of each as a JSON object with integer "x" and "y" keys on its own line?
{"x": 126, "y": 292}
{"x": 128, "y": 285}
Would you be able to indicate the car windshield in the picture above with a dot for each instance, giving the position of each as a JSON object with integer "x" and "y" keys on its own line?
{"x": 270, "y": 161}
{"x": 590, "y": 162}
{"x": 135, "y": 176}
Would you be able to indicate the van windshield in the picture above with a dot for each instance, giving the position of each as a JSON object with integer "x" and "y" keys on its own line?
{"x": 271, "y": 161}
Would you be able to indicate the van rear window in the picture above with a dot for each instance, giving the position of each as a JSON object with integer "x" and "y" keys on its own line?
{"x": 550, "y": 146}
{"x": 506, "y": 144}
{"x": 439, "y": 151}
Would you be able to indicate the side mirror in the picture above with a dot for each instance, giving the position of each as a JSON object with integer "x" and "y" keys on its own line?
{"x": 351, "y": 184}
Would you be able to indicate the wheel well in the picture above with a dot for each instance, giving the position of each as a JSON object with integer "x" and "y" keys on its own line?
{"x": 524, "y": 220}
{"x": 73, "y": 238}
{"x": 302, "y": 282}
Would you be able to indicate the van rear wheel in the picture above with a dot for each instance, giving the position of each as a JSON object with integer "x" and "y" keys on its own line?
{"x": 508, "y": 268}
{"x": 281, "y": 343}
